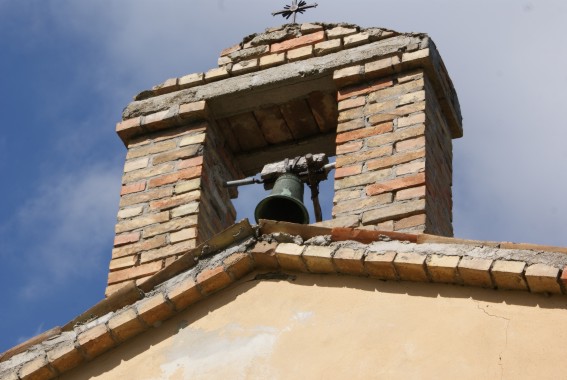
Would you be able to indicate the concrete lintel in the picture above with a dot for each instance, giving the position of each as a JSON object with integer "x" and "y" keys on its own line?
{"x": 273, "y": 77}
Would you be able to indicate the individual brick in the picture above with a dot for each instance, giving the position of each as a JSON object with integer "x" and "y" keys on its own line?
{"x": 230, "y": 50}
{"x": 509, "y": 275}
{"x": 175, "y": 201}
{"x": 184, "y": 293}
{"x": 381, "y": 265}
{"x": 168, "y": 86}
{"x": 413, "y": 192}
{"x": 272, "y": 60}
{"x": 394, "y": 211}
{"x": 197, "y": 138}
{"x": 133, "y": 273}
{"x": 364, "y": 156}
{"x": 327, "y": 47}
{"x": 212, "y": 280}
{"x": 543, "y": 278}
{"x": 289, "y": 257}
{"x": 141, "y": 221}
{"x": 123, "y": 262}
{"x": 186, "y": 209}
{"x": 167, "y": 251}
{"x": 151, "y": 171}
{"x": 172, "y": 225}
{"x": 37, "y": 368}
{"x": 340, "y": 31}
{"x": 144, "y": 197}
{"x": 416, "y": 55}
{"x": 349, "y": 261}
{"x": 136, "y": 164}
{"x": 342, "y": 172}
{"x": 300, "y": 53}
{"x": 409, "y": 222}
{"x": 216, "y": 74}
{"x": 175, "y": 177}
{"x": 356, "y": 39}
{"x": 125, "y": 324}
{"x": 475, "y": 272}
{"x": 264, "y": 255}
{"x": 310, "y": 28}
{"x": 238, "y": 265}
{"x": 191, "y": 80}
{"x": 149, "y": 149}
{"x": 154, "y": 309}
{"x": 130, "y": 212}
{"x": 443, "y": 268}
{"x": 64, "y": 356}
{"x": 123, "y": 239}
{"x": 319, "y": 259}
{"x": 186, "y": 186}
{"x": 352, "y": 103}
{"x": 185, "y": 234}
{"x": 174, "y": 155}
{"x": 362, "y": 179}
{"x": 144, "y": 245}
{"x": 245, "y": 66}
{"x": 95, "y": 340}
{"x": 133, "y": 188}
{"x": 381, "y": 66}
{"x": 297, "y": 42}
{"x": 410, "y": 266}
{"x": 363, "y": 89}
{"x": 389, "y": 161}
{"x": 396, "y": 184}
{"x": 410, "y": 144}
{"x": 348, "y": 75}
{"x": 364, "y": 132}
{"x": 348, "y": 148}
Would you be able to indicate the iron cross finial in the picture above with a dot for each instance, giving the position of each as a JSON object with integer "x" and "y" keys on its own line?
{"x": 294, "y": 9}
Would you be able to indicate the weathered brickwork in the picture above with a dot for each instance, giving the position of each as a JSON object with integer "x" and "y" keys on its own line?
{"x": 394, "y": 152}
{"x": 172, "y": 199}
{"x": 387, "y": 110}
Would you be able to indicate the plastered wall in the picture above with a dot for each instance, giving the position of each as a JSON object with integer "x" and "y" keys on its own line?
{"x": 341, "y": 327}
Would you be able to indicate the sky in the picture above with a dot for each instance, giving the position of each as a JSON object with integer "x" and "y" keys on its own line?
{"x": 69, "y": 67}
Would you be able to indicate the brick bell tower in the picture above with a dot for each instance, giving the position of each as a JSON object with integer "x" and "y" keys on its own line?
{"x": 381, "y": 102}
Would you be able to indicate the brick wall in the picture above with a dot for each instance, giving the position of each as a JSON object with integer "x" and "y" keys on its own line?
{"x": 383, "y": 97}
{"x": 172, "y": 199}
{"x": 394, "y": 153}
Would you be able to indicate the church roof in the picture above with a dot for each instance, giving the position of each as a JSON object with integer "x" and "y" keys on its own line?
{"x": 274, "y": 251}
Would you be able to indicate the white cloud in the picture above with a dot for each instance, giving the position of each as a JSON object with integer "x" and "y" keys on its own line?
{"x": 69, "y": 224}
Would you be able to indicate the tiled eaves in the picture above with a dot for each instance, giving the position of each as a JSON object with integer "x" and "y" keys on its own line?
{"x": 282, "y": 247}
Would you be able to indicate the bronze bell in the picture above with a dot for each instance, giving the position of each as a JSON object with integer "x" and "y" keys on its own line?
{"x": 285, "y": 203}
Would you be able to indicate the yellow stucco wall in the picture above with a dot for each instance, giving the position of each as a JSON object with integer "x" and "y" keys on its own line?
{"x": 329, "y": 327}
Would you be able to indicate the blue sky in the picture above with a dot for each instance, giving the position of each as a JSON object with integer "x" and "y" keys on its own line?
{"x": 69, "y": 67}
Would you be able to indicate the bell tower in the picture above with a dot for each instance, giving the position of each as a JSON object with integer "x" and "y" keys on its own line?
{"x": 379, "y": 101}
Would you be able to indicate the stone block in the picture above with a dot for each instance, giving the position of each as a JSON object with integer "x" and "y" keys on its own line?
{"x": 509, "y": 275}
{"x": 381, "y": 265}
{"x": 349, "y": 261}
{"x": 289, "y": 257}
{"x": 125, "y": 324}
{"x": 543, "y": 278}
{"x": 410, "y": 266}
{"x": 184, "y": 293}
{"x": 443, "y": 268}
{"x": 319, "y": 259}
